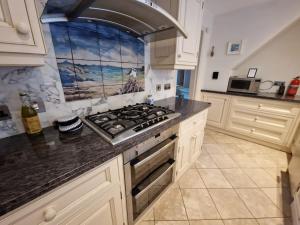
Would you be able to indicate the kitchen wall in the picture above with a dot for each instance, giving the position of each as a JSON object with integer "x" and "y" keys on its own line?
{"x": 44, "y": 83}
{"x": 255, "y": 25}
{"x": 277, "y": 60}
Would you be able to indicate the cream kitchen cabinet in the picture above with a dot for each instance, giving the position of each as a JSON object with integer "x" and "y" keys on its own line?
{"x": 269, "y": 122}
{"x": 21, "y": 39}
{"x": 92, "y": 199}
{"x": 217, "y": 113}
{"x": 179, "y": 53}
{"x": 296, "y": 143}
{"x": 191, "y": 133}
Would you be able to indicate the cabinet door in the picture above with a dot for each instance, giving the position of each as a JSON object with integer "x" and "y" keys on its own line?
{"x": 20, "y": 24}
{"x": 217, "y": 112}
{"x": 190, "y": 16}
{"x": 107, "y": 210}
{"x": 196, "y": 145}
{"x": 183, "y": 159}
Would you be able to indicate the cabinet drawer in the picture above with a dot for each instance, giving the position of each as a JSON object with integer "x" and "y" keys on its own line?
{"x": 262, "y": 133}
{"x": 64, "y": 200}
{"x": 263, "y": 120}
{"x": 275, "y": 107}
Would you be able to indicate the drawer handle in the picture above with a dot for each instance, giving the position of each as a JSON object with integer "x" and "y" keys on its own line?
{"x": 252, "y": 130}
{"x": 49, "y": 214}
{"x": 22, "y": 28}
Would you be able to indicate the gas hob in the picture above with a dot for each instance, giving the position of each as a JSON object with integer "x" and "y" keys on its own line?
{"x": 120, "y": 124}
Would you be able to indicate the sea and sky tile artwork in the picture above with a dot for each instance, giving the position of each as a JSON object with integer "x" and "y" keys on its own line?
{"x": 97, "y": 60}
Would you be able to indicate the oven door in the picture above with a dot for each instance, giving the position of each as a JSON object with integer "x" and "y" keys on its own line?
{"x": 148, "y": 175}
{"x": 151, "y": 187}
{"x": 143, "y": 165}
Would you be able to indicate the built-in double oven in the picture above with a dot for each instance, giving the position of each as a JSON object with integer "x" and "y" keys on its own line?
{"x": 149, "y": 168}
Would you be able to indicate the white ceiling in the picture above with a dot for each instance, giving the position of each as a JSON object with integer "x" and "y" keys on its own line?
{"x": 218, "y": 7}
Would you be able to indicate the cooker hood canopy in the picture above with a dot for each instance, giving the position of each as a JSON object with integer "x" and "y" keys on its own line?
{"x": 142, "y": 18}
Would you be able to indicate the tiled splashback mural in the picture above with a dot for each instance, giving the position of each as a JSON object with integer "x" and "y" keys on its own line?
{"x": 96, "y": 60}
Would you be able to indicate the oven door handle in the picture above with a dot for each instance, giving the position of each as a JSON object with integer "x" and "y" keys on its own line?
{"x": 140, "y": 192}
{"x": 139, "y": 163}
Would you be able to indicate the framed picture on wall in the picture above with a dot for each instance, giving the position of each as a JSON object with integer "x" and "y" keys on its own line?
{"x": 252, "y": 73}
{"x": 234, "y": 48}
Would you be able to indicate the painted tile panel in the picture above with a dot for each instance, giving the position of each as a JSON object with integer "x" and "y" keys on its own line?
{"x": 61, "y": 40}
{"x": 89, "y": 78}
{"x": 97, "y": 60}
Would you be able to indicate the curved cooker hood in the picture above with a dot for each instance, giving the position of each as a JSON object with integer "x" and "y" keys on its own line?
{"x": 142, "y": 18}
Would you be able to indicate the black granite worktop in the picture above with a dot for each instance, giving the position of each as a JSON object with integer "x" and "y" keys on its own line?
{"x": 270, "y": 96}
{"x": 32, "y": 166}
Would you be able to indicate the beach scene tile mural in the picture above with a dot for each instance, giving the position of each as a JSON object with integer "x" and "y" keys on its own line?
{"x": 96, "y": 60}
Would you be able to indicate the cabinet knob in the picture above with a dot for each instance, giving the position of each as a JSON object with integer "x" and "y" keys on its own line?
{"x": 252, "y": 130}
{"x": 260, "y": 105}
{"x": 22, "y": 28}
{"x": 179, "y": 55}
{"x": 49, "y": 214}
{"x": 256, "y": 118}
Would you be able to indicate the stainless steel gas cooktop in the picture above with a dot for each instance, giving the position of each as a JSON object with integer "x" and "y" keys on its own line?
{"x": 120, "y": 124}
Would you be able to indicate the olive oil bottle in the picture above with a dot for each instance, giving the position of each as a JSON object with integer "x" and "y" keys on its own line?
{"x": 30, "y": 116}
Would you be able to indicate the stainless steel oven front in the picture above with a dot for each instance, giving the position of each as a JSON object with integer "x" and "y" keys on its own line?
{"x": 149, "y": 169}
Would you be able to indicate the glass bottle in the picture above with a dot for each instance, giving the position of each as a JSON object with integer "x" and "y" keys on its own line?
{"x": 30, "y": 116}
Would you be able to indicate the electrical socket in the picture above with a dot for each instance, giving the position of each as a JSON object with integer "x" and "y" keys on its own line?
{"x": 278, "y": 83}
{"x": 4, "y": 113}
{"x": 158, "y": 87}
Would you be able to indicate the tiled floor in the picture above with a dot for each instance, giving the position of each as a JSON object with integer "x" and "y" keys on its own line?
{"x": 233, "y": 182}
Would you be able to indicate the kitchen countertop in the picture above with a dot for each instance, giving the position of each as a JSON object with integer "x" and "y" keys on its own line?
{"x": 270, "y": 96}
{"x": 32, "y": 166}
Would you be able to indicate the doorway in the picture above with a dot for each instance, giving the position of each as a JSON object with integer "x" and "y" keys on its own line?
{"x": 183, "y": 84}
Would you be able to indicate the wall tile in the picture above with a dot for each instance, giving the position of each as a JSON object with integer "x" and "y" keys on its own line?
{"x": 60, "y": 39}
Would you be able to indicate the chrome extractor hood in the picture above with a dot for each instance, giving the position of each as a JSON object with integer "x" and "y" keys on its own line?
{"x": 143, "y": 18}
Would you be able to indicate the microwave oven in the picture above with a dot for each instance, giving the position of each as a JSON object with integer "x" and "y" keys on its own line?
{"x": 243, "y": 85}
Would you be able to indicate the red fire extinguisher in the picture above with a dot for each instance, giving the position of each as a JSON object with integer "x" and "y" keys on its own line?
{"x": 293, "y": 87}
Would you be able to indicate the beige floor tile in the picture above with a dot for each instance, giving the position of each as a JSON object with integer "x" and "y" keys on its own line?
{"x": 281, "y": 159}
{"x": 252, "y": 148}
{"x": 238, "y": 179}
{"x": 223, "y": 161}
{"x": 213, "y": 178}
{"x": 170, "y": 206}
{"x": 281, "y": 198}
{"x": 213, "y": 149}
{"x": 225, "y": 139}
{"x": 258, "y": 203}
{"x": 205, "y": 162}
{"x": 261, "y": 178}
{"x": 280, "y": 175}
{"x": 275, "y": 221}
{"x": 228, "y": 203}
{"x": 206, "y": 222}
{"x": 149, "y": 215}
{"x": 263, "y": 160}
{"x": 171, "y": 222}
{"x": 146, "y": 223}
{"x": 240, "y": 222}
{"x": 191, "y": 179}
{"x": 199, "y": 204}
{"x": 208, "y": 139}
{"x": 231, "y": 148}
{"x": 244, "y": 161}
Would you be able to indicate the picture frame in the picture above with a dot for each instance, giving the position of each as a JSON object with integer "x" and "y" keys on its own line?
{"x": 234, "y": 48}
{"x": 252, "y": 72}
